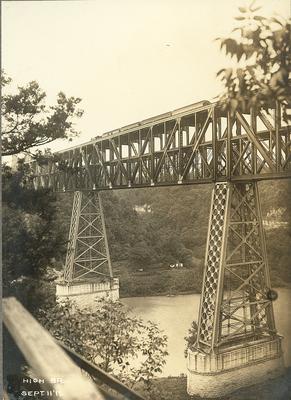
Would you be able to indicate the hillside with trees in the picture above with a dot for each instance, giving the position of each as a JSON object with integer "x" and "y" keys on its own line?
{"x": 150, "y": 229}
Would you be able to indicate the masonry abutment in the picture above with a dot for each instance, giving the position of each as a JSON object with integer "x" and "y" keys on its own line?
{"x": 237, "y": 343}
{"x": 88, "y": 272}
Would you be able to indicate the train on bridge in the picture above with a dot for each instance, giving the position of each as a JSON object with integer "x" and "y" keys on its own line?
{"x": 199, "y": 143}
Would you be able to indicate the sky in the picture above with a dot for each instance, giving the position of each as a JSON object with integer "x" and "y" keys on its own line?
{"x": 127, "y": 59}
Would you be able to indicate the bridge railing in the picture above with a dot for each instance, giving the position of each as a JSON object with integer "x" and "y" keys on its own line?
{"x": 55, "y": 367}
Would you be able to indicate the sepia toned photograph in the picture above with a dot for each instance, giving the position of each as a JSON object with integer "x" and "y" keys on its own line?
{"x": 146, "y": 199}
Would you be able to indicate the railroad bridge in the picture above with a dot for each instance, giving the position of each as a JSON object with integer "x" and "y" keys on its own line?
{"x": 237, "y": 342}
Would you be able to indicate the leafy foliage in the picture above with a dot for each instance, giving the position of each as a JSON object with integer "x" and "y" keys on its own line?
{"x": 276, "y": 196}
{"x": 32, "y": 237}
{"x": 175, "y": 228}
{"x": 28, "y": 122}
{"x": 110, "y": 337}
{"x": 261, "y": 47}
{"x": 191, "y": 338}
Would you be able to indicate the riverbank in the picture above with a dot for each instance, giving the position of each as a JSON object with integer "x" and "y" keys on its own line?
{"x": 164, "y": 282}
{"x": 174, "y": 388}
{"x": 162, "y": 294}
{"x": 157, "y": 281}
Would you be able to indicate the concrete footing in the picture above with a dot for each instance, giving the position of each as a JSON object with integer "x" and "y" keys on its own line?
{"x": 214, "y": 375}
{"x": 84, "y": 294}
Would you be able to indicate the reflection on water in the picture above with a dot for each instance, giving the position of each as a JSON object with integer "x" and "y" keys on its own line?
{"x": 175, "y": 314}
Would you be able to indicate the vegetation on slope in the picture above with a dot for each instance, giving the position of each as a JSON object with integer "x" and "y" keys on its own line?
{"x": 150, "y": 229}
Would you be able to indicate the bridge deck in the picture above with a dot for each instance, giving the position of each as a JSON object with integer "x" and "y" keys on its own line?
{"x": 199, "y": 143}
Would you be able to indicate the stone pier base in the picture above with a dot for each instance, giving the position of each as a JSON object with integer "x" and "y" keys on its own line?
{"x": 214, "y": 375}
{"x": 84, "y": 294}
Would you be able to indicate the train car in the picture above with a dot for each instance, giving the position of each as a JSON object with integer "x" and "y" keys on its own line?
{"x": 110, "y": 133}
{"x": 130, "y": 126}
{"x": 156, "y": 118}
{"x": 193, "y": 106}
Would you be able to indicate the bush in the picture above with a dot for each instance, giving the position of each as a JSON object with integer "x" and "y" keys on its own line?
{"x": 109, "y": 336}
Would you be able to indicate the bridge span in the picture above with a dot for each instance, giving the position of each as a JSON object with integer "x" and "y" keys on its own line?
{"x": 199, "y": 143}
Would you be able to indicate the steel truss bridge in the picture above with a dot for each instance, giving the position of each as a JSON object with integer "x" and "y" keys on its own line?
{"x": 199, "y": 143}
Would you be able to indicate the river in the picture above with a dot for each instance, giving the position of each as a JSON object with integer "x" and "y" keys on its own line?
{"x": 175, "y": 314}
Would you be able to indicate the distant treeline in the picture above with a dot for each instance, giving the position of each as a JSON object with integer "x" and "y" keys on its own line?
{"x": 149, "y": 229}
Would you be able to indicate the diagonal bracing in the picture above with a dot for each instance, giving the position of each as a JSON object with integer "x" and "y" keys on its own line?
{"x": 87, "y": 253}
{"x": 235, "y": 305}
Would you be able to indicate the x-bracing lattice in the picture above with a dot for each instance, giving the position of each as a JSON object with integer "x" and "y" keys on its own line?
{"x": 196, "y": 144}
{"x": 87, "y": 254}
{"x": 235, "y": 304}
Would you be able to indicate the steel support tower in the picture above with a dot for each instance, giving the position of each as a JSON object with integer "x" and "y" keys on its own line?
{"x": 88, "y": 269}
{"x": 87, "y": 253}
{"x": 236, "y": 327}
{"x": 237, "y": 343}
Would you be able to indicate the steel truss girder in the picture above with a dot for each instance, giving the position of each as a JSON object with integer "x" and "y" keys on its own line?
{"x": 199, "y": 145}
{"x": 234, "y": 305}
{"x": 88, "y": 255}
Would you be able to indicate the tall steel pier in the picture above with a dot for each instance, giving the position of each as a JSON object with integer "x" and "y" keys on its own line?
{"x": 237, "y": 342}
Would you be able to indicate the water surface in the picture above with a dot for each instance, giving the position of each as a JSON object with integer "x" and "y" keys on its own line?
{"x": 175, "y": 314}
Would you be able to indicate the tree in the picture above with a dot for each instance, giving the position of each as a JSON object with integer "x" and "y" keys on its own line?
{"x": 261, "y": 46}
{"x": 32, "y": 238}
{"x": 191, "y": 338}
{"x": 141, "y": 255}
{"x": 109, "y": 336}
{"x": 28, "y": 122}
